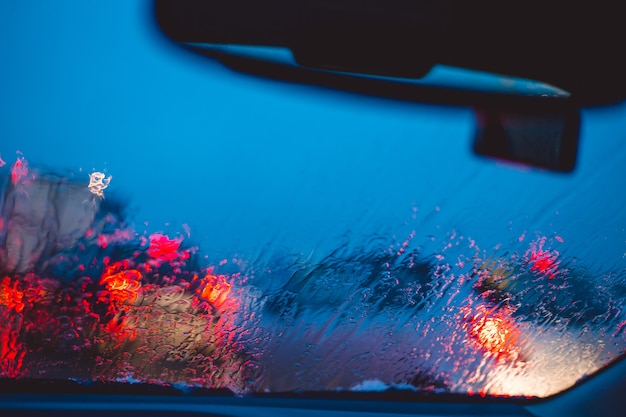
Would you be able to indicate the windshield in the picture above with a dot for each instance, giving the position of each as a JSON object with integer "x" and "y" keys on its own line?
{"x": 167, "y": 221}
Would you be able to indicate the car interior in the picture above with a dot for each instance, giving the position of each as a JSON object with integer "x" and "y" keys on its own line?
{"x": 338, "y": 208}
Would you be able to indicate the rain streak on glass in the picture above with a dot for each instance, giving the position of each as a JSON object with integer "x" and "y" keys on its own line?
{"x": 86, "y": 296}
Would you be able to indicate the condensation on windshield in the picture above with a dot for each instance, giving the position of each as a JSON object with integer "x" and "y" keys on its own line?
{"x": 87, "y": 295}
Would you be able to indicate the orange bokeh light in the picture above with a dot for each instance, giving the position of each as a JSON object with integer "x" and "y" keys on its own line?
{"x": 214, "y": 289}
{"x": 123, "y": 284}
{"x": 10, "y": 295}
{"x": 492, "y": 330}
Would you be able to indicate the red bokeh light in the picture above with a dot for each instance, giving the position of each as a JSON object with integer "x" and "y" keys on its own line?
{"x": 544, "y": 262}
{"x": 11, "y": 305}
{"x": 19, "y": 170}
{"x": 11, "y": 353}
{"x": 165, "y": 249}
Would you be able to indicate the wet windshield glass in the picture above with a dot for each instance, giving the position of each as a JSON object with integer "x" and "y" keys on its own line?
{"x": 167, "y": 221}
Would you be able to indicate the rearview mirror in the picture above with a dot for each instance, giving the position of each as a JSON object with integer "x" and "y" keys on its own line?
{"x": 543, "y": 67}
{"x": 547, "y": 140}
